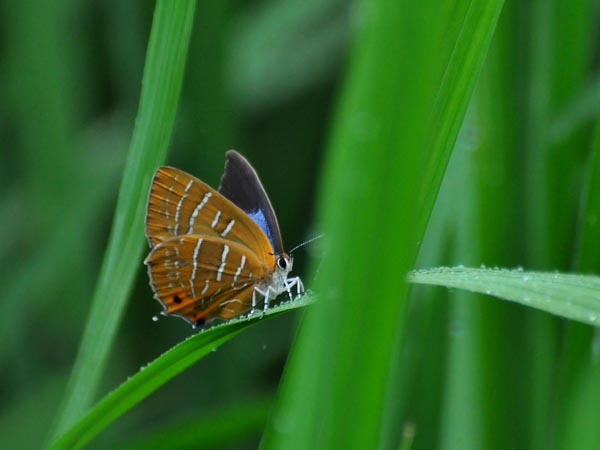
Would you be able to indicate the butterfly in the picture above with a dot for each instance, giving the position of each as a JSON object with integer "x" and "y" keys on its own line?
{"x": 215, "y": 255}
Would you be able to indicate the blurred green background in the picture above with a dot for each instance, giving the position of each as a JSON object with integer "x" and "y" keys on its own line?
{"x": 263, "y": 77}
{"x": 70, "y": 83}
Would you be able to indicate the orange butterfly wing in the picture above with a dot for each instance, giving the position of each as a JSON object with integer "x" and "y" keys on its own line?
{"x": 200, "y": 278}
{"x": 181, "y": 204}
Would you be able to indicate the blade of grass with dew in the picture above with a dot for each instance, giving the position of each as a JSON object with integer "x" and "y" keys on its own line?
{"x": 161, "y": 85}
{"x": 412, "y": 74}
{"x": 570, "y": 296}
{"x": 158, "y": 372}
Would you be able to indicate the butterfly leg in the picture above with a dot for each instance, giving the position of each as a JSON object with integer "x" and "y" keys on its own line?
{"x": 265, "y": 295}
{"x": 290, "y": 283}
{"x": 299, "y": 286}
{"x": 270, "y": 293}
{"x": 266, "y": 300}
{"x": 254, "y": 293}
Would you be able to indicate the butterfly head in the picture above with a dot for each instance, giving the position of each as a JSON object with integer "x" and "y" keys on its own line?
{"x": 284, "y": 263}
{"x": 283, "y": 266}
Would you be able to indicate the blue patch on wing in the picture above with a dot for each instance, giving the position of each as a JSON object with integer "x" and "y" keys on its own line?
{"x": 261, "y": 221}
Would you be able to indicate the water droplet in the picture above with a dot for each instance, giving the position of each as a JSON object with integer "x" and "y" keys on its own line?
{"x": 155, "y": 318}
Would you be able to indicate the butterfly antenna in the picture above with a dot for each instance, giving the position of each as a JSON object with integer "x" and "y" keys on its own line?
{"x": 304, "y": 243}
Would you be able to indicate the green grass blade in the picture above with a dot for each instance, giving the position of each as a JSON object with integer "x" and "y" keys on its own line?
{"x": 468, "y": 47}
{"x": 157, "y": 373}
{"x": 588, "y": 258}
{"x": 551, "y": 83}
{"x": 161, "y": 85}
{"x": 405, "y": 98}
{"x": 580, "y": 427}
{"x": 476, "y": 403}
{"x": 579, "y": 113}
{"x": 580, "y": 362}
{"x": 571, "y": 296}
{"x": 478, "y": 409}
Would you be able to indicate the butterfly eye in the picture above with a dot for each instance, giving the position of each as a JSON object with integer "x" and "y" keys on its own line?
{"x": 282, "y": 262}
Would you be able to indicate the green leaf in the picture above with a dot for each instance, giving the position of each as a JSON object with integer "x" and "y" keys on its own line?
{"x": 580, "y": 366}
{"x": 158, "y": 372}
{"x": 161, "y": 85}
{"x": 410, "y": 80}
{"x": 571, "y": 296}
